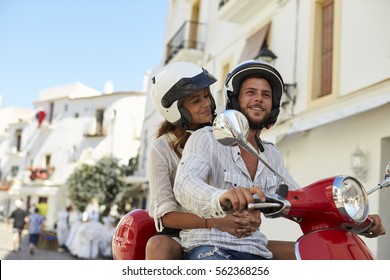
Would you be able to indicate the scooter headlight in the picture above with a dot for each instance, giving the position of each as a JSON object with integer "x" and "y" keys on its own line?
{"x": 351, "y": 199}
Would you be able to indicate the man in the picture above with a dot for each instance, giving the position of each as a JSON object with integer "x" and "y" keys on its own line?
{"x": 207, "y": 179}
{"x": 18, "y": 218}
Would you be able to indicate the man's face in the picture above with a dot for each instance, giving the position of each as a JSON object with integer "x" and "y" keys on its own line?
{"x": 255, "y": 99}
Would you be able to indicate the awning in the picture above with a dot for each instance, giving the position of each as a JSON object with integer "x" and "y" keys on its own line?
{"x": 254, "y": 44}
{"x": 34, "y": 189}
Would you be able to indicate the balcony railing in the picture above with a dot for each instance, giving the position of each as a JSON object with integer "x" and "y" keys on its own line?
{"x": 189, "y": 36}
{"x": 240, "y": 11}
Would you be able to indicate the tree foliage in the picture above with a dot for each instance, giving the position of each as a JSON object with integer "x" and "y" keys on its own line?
{"x": 102, "y": 181}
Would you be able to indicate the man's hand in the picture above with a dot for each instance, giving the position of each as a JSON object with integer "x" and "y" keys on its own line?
{"x": 240, "y": 197}
{"x": 377, "y": 228}
{"x": 238, "y": 224}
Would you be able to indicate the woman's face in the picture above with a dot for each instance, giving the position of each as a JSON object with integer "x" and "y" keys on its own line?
{"x": 198, "y": 105}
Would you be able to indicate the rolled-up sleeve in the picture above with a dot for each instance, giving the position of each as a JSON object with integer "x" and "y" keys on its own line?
{"x": 191, "y": 188}
{"x": 162, "y": 168}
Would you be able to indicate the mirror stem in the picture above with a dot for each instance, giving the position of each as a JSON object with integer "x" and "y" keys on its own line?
{"x": 249, "y": 148}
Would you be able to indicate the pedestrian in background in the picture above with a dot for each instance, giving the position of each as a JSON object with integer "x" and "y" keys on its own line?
{"x": 63, "y": 227}
{"x": 35, "y": 229}
{"x": 18, "y": 219}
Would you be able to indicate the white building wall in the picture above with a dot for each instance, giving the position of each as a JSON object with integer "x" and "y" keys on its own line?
{"x": 365, "y": 44}
{"x": 65, "y": 139}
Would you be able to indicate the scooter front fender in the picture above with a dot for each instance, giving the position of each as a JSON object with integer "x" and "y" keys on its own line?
{"x": 332, "y": 244}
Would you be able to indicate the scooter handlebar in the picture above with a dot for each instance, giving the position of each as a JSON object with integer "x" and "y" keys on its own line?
{"x": 363, "y": 228}
{"x": 261, "y": 205}
{"x": 258, "y": 205}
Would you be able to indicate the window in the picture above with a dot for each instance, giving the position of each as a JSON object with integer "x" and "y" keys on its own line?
{"x": 324, "y": 47}
{"x": 99, "y": 121}
{"x": 51, "y": 112}
{"x": 14, "y": 170}
{"x": 327, "y": 47}
{"x": 18, "y": 139}
{"x": 193, "y": 36}
{"x": 47, "y": 161}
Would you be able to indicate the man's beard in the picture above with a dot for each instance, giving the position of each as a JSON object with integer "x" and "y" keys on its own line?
{"x": 257, "y": 125}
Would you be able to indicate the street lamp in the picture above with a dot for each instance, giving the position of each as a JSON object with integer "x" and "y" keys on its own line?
{"x": 358, "y": 163}
{"x": 266, "y": 55}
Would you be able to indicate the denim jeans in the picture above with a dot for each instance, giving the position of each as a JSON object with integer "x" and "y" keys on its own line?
{"x": 215, "y": 253}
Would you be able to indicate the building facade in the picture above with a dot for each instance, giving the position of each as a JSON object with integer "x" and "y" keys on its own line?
{"x": 70, "y": 125}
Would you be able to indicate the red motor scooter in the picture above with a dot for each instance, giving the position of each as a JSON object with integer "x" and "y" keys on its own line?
{"x": 331, "y": 212}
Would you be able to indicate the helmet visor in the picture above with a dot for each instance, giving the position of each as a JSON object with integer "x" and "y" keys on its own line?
{"x": 187, "y": 86}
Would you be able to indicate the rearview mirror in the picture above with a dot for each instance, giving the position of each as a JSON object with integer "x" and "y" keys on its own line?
{"x": 230, "y": 128}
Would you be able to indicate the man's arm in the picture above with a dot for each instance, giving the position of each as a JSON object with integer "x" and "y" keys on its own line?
{"x": 191, "y": 186}
{"x": 195, "y": 169}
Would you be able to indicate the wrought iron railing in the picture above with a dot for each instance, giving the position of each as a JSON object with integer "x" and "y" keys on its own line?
{"x": 189, "y": 36}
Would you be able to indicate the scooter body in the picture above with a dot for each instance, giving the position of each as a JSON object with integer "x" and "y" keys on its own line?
{"x": 329, "y": 233}
{"x": 131, "y": 235}
{"x": 332, "y": 244}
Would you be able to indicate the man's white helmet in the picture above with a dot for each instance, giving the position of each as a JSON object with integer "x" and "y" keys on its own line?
{"x": 175, "y": 82}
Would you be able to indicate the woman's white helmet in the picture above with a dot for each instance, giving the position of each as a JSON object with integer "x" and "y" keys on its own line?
{"x": 174, "y": 82}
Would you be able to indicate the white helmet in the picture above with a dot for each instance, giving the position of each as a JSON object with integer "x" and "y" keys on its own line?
{"x": 18, "y": 203}
{"x": 175, "y": 82}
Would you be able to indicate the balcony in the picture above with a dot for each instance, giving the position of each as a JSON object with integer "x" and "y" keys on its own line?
{"x": 187, "y": 43}
{"x": 40, "y": 173}
{"x": 239, "y": 11}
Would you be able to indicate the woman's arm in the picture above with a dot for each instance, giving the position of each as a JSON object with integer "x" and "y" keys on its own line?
{"x": 161, "y": 164}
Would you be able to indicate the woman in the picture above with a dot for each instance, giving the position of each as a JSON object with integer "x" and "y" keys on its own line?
{"x": 181, "y": 93}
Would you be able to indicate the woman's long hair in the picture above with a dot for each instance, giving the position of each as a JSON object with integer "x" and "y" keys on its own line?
{"x": 182, "y": 135}
{"x": 177, "y": 145}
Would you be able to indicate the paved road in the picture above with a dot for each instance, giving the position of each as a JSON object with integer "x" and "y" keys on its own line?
{"x": 48, "y": 252}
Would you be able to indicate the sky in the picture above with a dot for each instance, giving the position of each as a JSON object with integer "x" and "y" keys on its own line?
{"x": 49, "y": 43}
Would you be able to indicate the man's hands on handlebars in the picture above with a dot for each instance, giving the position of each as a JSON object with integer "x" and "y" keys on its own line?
{"x": 239, "y": 198}
{"x": 377, "y": 228}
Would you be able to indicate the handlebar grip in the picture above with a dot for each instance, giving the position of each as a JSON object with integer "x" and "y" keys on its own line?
{"x": 256, "y": 205}
{"x": 262, "y": 205}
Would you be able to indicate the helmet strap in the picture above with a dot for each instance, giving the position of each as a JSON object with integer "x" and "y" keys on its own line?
{"x": 258, "y": 140}
{"x": 185, "y": 119}
{"x": 232, "y": 101}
